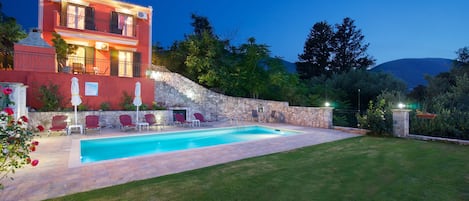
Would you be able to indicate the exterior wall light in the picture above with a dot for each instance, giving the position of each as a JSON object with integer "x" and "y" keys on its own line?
{"x": 327, "y": 104}
{"x": 401, "y": 105}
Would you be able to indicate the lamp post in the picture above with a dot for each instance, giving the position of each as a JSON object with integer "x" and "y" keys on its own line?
{"x": 359, "y": 110}
{"x": 359, "y": 101}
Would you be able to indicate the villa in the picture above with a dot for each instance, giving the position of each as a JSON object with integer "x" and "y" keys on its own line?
{"x": 111, "y": 37}
{"x": 112, "y": 41}
{"x": 112, "y": 51}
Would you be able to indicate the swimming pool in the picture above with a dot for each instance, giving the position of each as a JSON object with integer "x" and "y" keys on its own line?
{"x": 94, "y": 150}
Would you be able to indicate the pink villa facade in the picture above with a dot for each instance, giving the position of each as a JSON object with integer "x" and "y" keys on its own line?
{"x": 113, "y": 40}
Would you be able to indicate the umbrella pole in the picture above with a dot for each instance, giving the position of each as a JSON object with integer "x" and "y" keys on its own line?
{"x": 137, "y": 115}
{"x": 76, "y": 120}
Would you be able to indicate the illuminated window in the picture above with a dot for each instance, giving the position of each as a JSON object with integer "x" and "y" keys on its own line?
{"x": 125, "y": 64}
{"x": 75, "y": 17}
{"x": 77, "y": 61}
{"x": 78, "y": 57}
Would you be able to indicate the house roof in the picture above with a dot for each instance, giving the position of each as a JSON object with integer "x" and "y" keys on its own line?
{"x": 34, "y": 39}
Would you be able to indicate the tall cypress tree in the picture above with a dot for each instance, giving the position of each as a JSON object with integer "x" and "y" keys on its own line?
{"x": 349, "y": 48}
{"x": 316, "y": 58}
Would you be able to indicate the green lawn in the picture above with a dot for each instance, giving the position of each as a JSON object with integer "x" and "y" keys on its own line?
{"x": 363, "y": 168}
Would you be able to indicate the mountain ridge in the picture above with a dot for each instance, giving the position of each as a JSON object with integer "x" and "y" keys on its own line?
{"x": 413, "y": 70}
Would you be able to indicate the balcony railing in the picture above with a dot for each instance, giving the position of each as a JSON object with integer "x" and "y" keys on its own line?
{"x": 94, "y": 66}
{"x": 101, "y": 25}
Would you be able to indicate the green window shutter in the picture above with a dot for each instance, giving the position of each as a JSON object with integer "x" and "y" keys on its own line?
{"x": 89, "y": 18}
{"x": 89, "y": 56}
{"x": 114, "y": 63}
{"x": 137, "y": 64}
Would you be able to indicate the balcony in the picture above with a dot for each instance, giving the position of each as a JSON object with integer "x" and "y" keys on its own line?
{"x": 83, "y": 65}
{"x": 99, "y": 31}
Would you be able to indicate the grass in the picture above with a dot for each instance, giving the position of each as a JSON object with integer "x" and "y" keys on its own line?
{"x": 363, "y": 168}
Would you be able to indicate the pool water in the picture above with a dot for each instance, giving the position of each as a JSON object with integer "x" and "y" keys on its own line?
{"x": 94, "y": 150}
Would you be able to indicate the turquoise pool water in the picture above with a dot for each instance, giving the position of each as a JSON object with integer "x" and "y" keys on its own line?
{"x": 94, "y": 150}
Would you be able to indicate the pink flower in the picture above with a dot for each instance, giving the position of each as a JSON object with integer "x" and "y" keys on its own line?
{"x": 7, "y": 91}
{"x": 24, "y": 118}
{"x": 8, "y": 110}
{"x": 40, "y": 128}
{"x": 36, "y": 143}
{"x": 35, "y": 162}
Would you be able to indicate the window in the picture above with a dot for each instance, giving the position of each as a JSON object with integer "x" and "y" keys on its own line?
{"x": 78, "y": 57}
{"x": 125, "y": 64}
{"x": 75, "y": 17}
{"x": 125, "y": 23}
{"x": 77, "y": 61}
{"x": 122, "y": 24}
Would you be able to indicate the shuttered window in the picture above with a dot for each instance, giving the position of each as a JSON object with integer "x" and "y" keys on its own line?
{"x": 125, "y": 64}
{"x": 122, "y": 24}
{"x": 75, "y": 16}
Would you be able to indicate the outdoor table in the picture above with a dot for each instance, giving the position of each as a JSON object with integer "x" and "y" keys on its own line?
{"x": 143, "y": 124}
{"x": 69, "y": 130}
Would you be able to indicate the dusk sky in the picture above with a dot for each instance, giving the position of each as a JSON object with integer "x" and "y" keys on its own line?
{"x": 395, "y": 29}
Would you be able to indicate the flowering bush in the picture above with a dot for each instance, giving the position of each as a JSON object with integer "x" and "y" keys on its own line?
{"x": 377, "y": 119}
{"x": 15, "y": 139}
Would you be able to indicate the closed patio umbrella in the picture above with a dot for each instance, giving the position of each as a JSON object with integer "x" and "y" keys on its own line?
{"x": 76, "y": 100}
{"x": 137, "y": 99}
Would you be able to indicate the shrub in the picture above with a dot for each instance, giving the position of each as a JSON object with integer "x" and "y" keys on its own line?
{"x": 15, "y": 140}
{"x": 449, "y": 123}
{"x": 158, "y": 106}
{"x": 144, "y": 107}
{"x": 105, "y": 106}
{"x": 377, "y": 119}
{"x": 50, "y": 98}
{"x": 82, "y": 107}
{"x": 127, "y": 102}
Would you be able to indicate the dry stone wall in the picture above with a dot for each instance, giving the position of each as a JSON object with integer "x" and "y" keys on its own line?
{"x": 176, "y": 91}
{"x": 107, "y": 118}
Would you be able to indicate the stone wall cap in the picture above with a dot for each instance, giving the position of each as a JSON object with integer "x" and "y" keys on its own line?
{"x": 401, "y": 110}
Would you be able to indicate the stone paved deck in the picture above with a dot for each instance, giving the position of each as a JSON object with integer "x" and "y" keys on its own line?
{"x": 58, "y": 172}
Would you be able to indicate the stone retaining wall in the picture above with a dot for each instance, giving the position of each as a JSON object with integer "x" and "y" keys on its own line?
{"x": 107, "y": 118}
{"x": 177, "y": 92}
{"x": 174, "y": 90}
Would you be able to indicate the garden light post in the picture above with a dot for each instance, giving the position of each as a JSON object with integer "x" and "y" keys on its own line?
{"x": 400, "y": 121}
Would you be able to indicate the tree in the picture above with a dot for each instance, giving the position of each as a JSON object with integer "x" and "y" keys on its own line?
{"x": 349, "y": 49}
{"x": 418, "y": 93}
{"x": 62, "y": 50}
{"x": 463, "y": 55}
{"x": 342, "y": 89}
{"x": 252, "y": 75}
{"x": 316, "y": 58}
{"x": 201, "y": 25}
{"x": 204, "y": 54}
{"x": 10, "y": 33}
{"x": 328, "y": 51}
{"x": 283, "y": 86}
